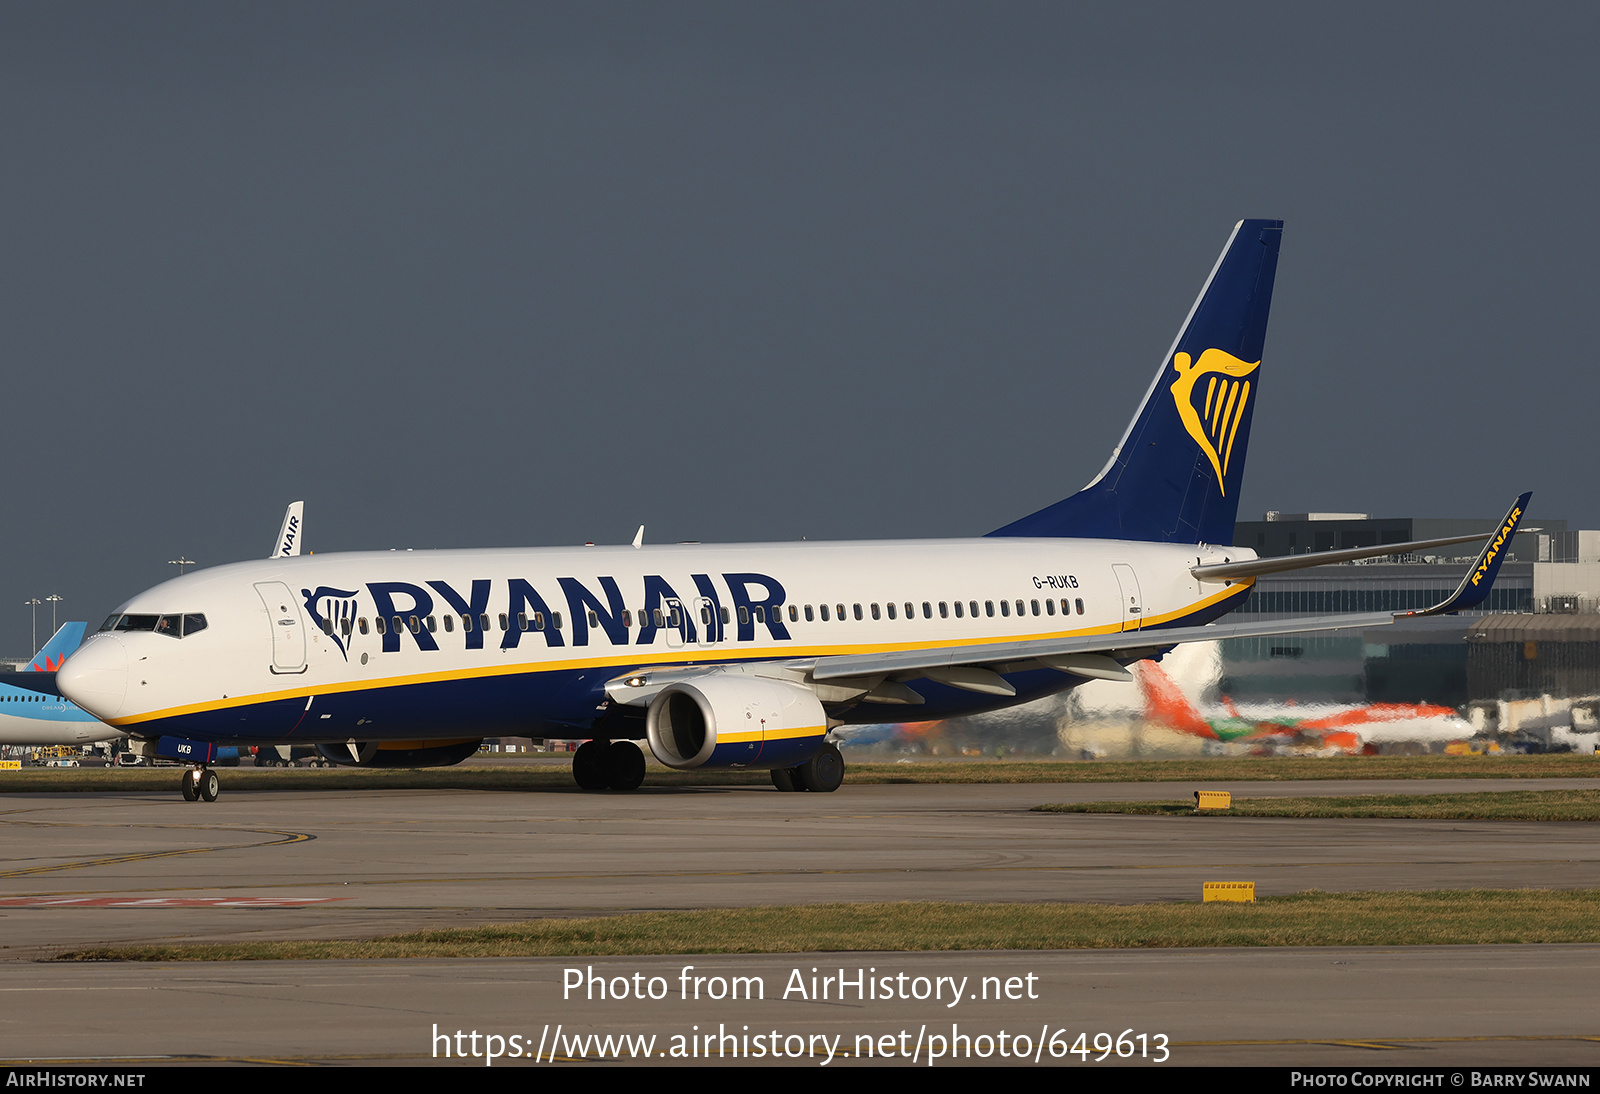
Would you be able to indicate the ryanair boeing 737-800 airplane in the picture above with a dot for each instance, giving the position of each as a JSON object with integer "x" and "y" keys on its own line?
{"x": 738, "y": 655}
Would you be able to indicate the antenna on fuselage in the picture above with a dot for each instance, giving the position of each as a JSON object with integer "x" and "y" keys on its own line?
{"x": 638, "y": 537}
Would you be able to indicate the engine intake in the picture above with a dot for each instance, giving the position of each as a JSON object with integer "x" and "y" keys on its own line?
{"x": 728, "y": 720}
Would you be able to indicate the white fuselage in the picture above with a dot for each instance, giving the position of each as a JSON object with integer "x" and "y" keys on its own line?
{"x": 308, "y": 648}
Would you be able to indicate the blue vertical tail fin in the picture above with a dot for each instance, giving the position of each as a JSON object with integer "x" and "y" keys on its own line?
{"x": 1176, "y": 474}
{"x": 55, "y": 651}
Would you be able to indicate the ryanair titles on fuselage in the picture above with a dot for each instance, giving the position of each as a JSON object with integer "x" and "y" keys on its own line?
{"x": 523, "y": 610}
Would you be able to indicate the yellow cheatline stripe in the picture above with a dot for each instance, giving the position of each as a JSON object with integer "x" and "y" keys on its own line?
{"x": 712, "y": 656}
{"x": 770, "y": 735}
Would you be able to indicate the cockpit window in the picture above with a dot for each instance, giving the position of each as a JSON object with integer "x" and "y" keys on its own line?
{"x": 138, "y": 622}
{"x": 173, "y": 626}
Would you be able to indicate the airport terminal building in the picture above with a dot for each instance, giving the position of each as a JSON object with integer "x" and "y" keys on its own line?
{"x": 1549, "y": 588}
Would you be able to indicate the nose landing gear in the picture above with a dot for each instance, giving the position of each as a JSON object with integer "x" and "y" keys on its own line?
{"x": 200, "y": 784}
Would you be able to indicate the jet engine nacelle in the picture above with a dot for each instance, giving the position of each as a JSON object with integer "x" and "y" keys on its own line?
{"x": 399, "y": 754}
{"x": 731, "y": 720}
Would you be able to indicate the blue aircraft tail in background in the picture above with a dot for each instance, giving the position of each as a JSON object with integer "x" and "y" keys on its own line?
{"x": 55, "y": 651}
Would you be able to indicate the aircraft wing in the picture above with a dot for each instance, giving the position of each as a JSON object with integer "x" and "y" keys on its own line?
{"x": 1229, "y": 571}
{"x": 1472, "y": 591}
{"x": 868, "y": 664}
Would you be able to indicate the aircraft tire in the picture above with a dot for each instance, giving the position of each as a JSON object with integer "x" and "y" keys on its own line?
{"x": 624, "y": 767}
{"x": 190, "y": 786}
{"x": 591, "y": 768}
{"x": 783, "y": 779}
{"x": 824, "y": 772}
{"x": 209, "y": 785}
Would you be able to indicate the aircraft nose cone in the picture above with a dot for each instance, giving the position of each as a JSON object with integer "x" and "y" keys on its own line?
{"x": 96, "y": 677}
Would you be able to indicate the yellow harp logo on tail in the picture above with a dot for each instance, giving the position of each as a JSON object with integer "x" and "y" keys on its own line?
{"x": 1214, "y": 423}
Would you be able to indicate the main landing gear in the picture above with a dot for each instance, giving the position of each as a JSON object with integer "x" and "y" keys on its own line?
{"x": 608, "y": 765}
{"x": 821, "y": 774}
{"x": 201, "y": 784}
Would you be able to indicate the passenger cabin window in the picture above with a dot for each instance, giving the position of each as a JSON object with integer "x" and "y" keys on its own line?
{"x": 944, "y": 610}
{"x": 824, "y": 610}
{"x": 988, "y": 607}
{"x": 958, "y": 609}
{"x": 1005, "y": 608}
{"x": 794, "y": 614}
{"x": 808, "y": 613}
{"x": 361, "y": 625}
{"x": 1079, "y": 602}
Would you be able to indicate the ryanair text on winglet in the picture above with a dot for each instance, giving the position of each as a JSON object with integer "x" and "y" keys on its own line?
{"x": 1494, "y": 548}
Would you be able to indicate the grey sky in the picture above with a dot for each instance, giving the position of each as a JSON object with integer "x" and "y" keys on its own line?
{"x": 536, "y": 274}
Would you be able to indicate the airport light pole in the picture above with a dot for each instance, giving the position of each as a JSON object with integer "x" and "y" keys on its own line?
{"x": 53, "y": 600}
{"x": 180, "y": 562}
{"x": 34, "y": 604}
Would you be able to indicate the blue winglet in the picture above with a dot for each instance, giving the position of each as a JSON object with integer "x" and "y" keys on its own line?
{"x": 1474, "y": 588}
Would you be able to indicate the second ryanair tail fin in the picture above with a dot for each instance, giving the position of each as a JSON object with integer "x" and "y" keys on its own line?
{"x": 1175, "y": 476}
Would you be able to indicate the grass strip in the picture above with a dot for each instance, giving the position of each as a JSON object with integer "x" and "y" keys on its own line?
{"x": 1524, "y": 805}
{"x": 1437, "y": 917}
{"x": 537, "y": 775}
